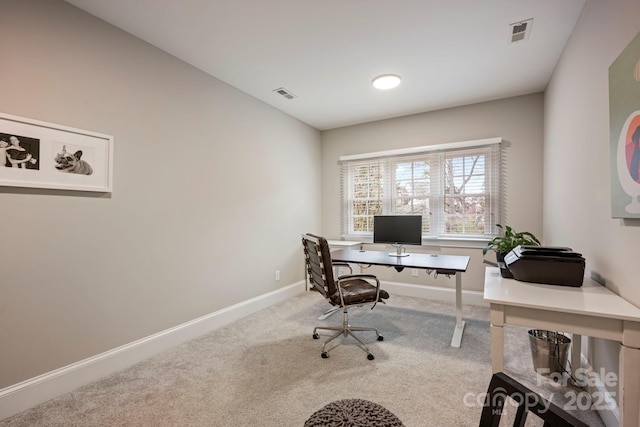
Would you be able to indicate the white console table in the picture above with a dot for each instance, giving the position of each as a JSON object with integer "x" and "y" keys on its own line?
{"x": 591, "y": 310}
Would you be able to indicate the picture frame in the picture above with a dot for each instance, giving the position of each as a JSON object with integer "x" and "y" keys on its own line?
{"x": 38, "y": 154}
{"x": 624, "y": 127}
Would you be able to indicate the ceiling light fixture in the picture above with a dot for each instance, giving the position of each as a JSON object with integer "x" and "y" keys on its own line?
{"x": 386, "y": 81}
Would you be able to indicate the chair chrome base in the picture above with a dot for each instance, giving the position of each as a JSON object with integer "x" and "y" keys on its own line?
{"x": 346, "y": 330}
{"x": 329, "y": 313}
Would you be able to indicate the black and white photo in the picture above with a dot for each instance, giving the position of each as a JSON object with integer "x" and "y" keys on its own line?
{"x": 38, "y": 154}
{"x": 72, "y": 162}
{"x": 18, "y": 151}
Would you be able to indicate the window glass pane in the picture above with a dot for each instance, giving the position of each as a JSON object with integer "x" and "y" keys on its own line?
{"x": 464, "y": 224}
{"x": 464, "y": 215}
{"x": 375, "y": 207}
{"x": 359, "y": 208}
{"x": 366, "y": 195}
{"x": 375, "y": 189}
{"x": 412, "y": 181}
{"x": 361, "y": 190}
{"x": 360, "y": 224}
{"x": 465, "y": 174}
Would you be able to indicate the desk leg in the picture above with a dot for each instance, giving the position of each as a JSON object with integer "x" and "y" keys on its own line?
{"x": 457, "y": 332}
{"x": 496, "y": 316}
{"x": 629, "y": 386}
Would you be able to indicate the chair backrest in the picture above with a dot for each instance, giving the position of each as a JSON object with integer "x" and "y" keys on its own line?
{"x": 318, "y": 259}
{"x": 503, "y": 386}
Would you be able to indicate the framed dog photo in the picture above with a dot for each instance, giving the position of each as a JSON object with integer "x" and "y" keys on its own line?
{"x": 44, "y": 155}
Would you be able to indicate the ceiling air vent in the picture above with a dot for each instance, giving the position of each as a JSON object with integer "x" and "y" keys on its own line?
{"x": 520, "y": 30}
{"x": 282, "y": 91}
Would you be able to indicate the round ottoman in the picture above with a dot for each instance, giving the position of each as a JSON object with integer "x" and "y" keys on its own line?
{"x": 353, "y": 413}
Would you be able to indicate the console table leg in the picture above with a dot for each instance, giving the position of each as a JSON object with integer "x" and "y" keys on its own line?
{"x": 497, "y": 348}
{"x": 496, "y": 316}
{"x": 629, "y": 386}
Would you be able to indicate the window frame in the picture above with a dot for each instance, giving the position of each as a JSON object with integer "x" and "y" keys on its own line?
{"x": 435, "y": 156}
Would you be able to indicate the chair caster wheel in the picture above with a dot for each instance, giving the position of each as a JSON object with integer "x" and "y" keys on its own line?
{"x": 380, "y": 338}
{"x": 325, "y": 355}
{"x": 316, "y": 336}
{"x": 370, "y": 356}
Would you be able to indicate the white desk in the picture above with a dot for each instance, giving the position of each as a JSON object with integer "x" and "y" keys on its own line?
{"x": 590, "y": 310}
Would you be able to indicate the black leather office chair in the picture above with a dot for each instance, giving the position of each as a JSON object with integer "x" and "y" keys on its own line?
{"x": 347, "y": 291}
{"x": 503, "y": 386}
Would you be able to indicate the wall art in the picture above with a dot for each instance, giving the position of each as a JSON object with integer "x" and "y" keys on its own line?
{"x": 624, "y": 124}
{"x": 45, "y": 155}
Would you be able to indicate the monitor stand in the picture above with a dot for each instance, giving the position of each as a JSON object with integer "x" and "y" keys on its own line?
{"x": 399, "y": 251}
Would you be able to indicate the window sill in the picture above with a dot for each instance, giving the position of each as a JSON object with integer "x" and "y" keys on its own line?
{"x": 441, "y": 242}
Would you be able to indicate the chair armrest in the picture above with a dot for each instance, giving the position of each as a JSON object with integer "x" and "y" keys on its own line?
{"x": 340, "y": 263}
{"x": 359, "y": 276}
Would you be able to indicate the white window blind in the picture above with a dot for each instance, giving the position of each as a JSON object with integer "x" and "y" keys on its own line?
{"x": 455, "y": 187}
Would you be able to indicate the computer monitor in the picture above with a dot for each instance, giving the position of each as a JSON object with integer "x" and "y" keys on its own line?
{"x": 397, "y": 230}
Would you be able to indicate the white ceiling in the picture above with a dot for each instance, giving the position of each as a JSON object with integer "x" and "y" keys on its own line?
{"x": 326, "y": 52}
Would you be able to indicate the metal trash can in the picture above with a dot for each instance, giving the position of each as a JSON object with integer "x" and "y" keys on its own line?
{"x": 549, "y": 351}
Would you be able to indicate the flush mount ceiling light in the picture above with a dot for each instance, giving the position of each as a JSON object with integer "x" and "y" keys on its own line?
{"x": 386, "y": 81}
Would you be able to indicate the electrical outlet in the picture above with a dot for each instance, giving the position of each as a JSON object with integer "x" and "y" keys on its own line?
{"x": 277, "y": 275}
{"x": 415, "y": 272}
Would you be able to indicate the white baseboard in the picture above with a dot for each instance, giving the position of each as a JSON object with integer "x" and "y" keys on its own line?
{"x": 19, "y": 397}
{"x": 434, "y": 293}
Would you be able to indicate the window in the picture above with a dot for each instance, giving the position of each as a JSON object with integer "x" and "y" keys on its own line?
{"x": 455, "y": 187}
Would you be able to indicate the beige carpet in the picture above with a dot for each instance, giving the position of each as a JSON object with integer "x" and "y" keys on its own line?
{"x": 266, "y": 370}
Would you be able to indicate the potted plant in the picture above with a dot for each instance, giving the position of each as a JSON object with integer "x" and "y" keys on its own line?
{"x": 507, "y": 240}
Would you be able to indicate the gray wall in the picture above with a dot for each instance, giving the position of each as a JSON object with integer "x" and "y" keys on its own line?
{"x": 517, "y": 120}
{"x": 577, "y": 142}
{"x": 212, "y": 189}
{"x": 576, "y": 164}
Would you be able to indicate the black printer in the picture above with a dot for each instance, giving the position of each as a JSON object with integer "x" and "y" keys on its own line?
{"x": 546, "y": 264}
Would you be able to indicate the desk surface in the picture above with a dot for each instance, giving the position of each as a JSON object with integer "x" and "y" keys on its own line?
{"x": 592, "y": 298}
{"x": 457, "y": 263}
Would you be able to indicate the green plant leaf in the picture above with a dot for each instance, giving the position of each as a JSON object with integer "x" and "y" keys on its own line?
{"x": 509, "y": 239}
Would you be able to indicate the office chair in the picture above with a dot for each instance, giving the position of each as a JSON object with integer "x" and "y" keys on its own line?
{"x": 503, "y": 386}
{"x": 347, "y": 291}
